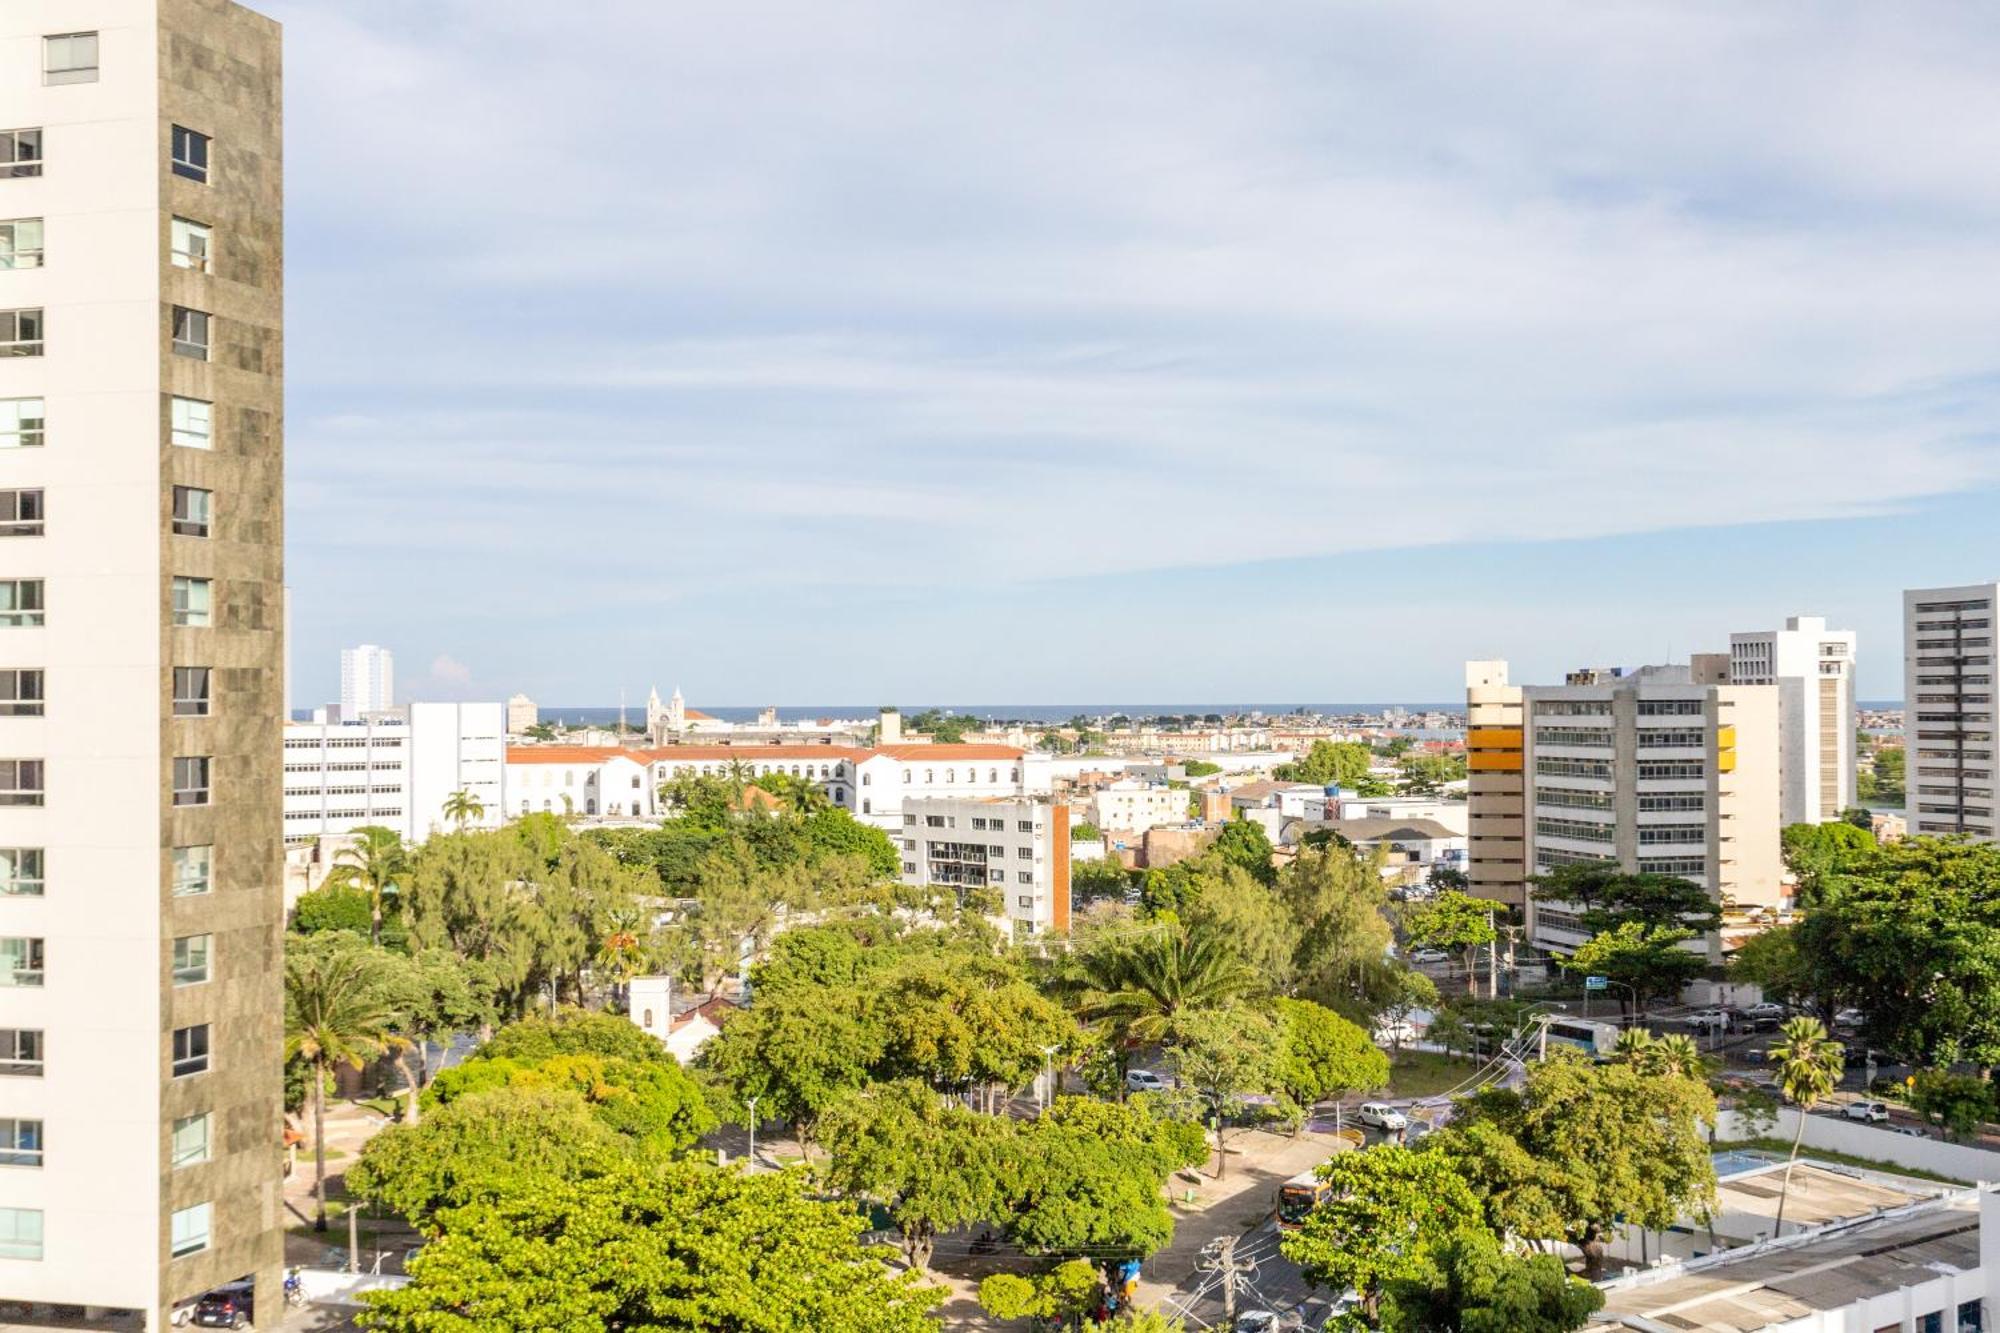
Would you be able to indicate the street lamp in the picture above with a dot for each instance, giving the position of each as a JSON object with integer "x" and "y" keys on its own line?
{"x": 751, "y": 1156}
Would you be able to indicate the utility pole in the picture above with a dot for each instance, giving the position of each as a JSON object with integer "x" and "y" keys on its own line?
{"x": 750, "y": 1158}
{"x": 1219, "y": 1257}
{"x": 1492, "y": 955}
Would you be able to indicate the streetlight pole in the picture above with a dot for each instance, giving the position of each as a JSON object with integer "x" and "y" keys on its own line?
{"x": 751, "y": 1156}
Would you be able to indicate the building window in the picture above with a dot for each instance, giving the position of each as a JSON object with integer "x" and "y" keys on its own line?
{"x": 21, "y": 872}
{"x": 21, "y": 1052}
{"x": 1025, "y": 876}
{"x": 190, "y": 154}
{"x": 189, "y": 423}
{"x": 1025, "y": 900}
{"x": 21, "y": 692}
{"x": 189, "y": 1230}
{"x": 192, "y": 510}
{"x": 20, "y": 1143}
{"x": 193, "y": 602}
{"x": 20, "y": 602}
{"x": 20, "y": 1233}
{"x": 21, "y": 243}
{"x": 191, "y": 870}
{"x": 190, "y": 1141}
{"x": 21, "y": 513}
{"x": 20, "y": 961}
{"x": 21, "y": 332}
{"x": 909, "y": 867}
{"x": 20, "y": 153}
{"x": 21, "y": 781}
{"x": 191, "y": 780}
{"x": 190, "y": 691}
{"x": 1025, "y": 825}
{"x": 191, "y": 333}
{"x": 1025, "y": 853}
{"x": 190, "y": 244}
{"x": 69, "y": 57}
{"x": 191, "y": 959}
{"x": 191, "y": 1050}
{"x": 21, "y": 423}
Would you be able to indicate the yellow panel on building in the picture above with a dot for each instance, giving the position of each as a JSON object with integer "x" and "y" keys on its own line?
{"x": 1493, "y": 738}
{"x": 1493, "y": 761}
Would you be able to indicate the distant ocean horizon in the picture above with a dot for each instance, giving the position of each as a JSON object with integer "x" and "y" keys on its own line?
{"x": 1037, "y": 713}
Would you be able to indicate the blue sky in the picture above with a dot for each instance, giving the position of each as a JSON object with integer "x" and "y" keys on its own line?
{"x": 1131, "y": 351}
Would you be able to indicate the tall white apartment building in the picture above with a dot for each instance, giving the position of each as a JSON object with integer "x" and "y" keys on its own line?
{"x": 1131, "y": 806}
{"x": 141, "y": 653}
{"x": 1016, "y": 846}
{"x": 1658, "y": 770}
{"x": 367, "y": 680}
{"x": 1948, "y": 669}
{"x": 1813, "y": 670}
{"x": 521, "y": 714}
{"x": 395, "y": 770}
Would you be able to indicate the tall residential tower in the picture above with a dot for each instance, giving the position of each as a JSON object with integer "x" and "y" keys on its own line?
{"x": 367, "y": 680}
{"x": 141, "y": 652}
{"x": 1948, "y": 667}
{"x": 1813, "y": 669}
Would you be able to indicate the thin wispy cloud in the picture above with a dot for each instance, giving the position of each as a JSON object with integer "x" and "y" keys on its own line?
{"x": 897, "y": 302}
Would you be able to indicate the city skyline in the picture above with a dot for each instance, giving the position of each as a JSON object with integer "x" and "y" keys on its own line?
{"x": 819, "y": 377}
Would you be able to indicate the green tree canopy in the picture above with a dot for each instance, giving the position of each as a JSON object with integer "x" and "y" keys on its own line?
{"x": 1959, "y": 1104}
{"x": 1454, "y": 920}
{"x": 1345, "y": 763}
{"x": 1226, "y": 1054}
{"x": 681, "y": 1249}
{"x": 933, "y": 1164}
{"x": 1324, "y": 1056}
{"x": 1087, "y": 1177}
{"x": 1611, "y": 897}
{"x": 1101, "y": 879}
{"x": 1479, "y": 1287}
{"x": 1388, "y": 1215}
{"x": 1646, "y": 958}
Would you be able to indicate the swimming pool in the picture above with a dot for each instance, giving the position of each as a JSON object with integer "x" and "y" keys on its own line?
{"x": 1736, "y": 1161}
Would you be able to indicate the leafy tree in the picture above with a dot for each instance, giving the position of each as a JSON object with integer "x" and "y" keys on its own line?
{"x": 965, "y": 1020}
{"x": 1139, "y": 984}
{"x": 541, "y": 731}
{"x": 1405, "y": 991}
{"x": 1809, "y": 1068}
{"x": 934, "y": 1165}
{"x": 943, "y": 728}
{"x": 1101, "y": 879}
{"x": 1959, "y": 1104}
{"x": 1229, "y": 902}
{"x": 1454, "y": 921}
{"x": 1224, "y": 1054}
{"x": 1860, "y": 818}
{"x": 797, "y": 1052}
{"x": 1063, "y": 1293}
{"x": 1479, "y": 1287}
{"x": 1328, "y": 763}
{"x": 1200, "y": 768}
{"x": 336, "y": 1013}
{"x": 1429, "y": 774}
{"x": 1087, "y": 1179}
{"x": 1338, "y": 900}
{"x": 1325, "y": 1056}
{"x": 834, "y": 832}
{"x": 1244, "y": 843}
{"x": 682, "y": 1250}
{"x": 433, "y": 995}
{"x": 374, "y": 863}
{"x": 1610, "y": 897}
{"x": 1601, "y": 1146}
{"x": 1910, "y": 934}
{"x": 332, "y": 907}
{"x": 1813, "y": 851}
{"x": 1388, "y": 1215}
{"x": 498, "y": 1141}
{"x": 1647, "y": 958}
{"x": 573, "y": 1032}
{"x": 1771, "y": 959}
{"x": 1086, "y": 832}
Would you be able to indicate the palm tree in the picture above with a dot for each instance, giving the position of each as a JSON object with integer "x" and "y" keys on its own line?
{"x": 462, "y": 807}
{"x": 372, "y": 863}
{"x": 1676, "y": 1053}
{"x": 1138, "y": 988}
{"x": 1809, "y": 1067}
{"x": 336, "y": 1013}
{"x": 1634, "y": 1046}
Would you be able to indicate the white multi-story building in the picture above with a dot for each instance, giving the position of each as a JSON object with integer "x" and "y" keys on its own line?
{"x": 1813, "y": 670}
{"x": 1660, "y": 770}
{"x": 1134, "y": 806}
{"x": 615, "y": 782}
{"x": 395, "y": 770}
{"x": 141, "y": 655}
{"x": 1016, "y": 846}
{"x": 1948, "y": 669}
{"x": 367, "y": 680}
{"x": 522, "y": 715}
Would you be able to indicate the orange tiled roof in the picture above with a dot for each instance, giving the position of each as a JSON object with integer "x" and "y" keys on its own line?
{"x": 967, "y": 751}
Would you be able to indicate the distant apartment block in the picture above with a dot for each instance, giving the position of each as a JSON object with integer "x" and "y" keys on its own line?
{"x": 1016, "y": 846}
{"x": 1657, "y": 770}
{"x": 367, "y": 680}
{"x": 141, "y": 611}
{"x": 1948, "y": 669}
{"x": 394, "y": 770}
{"x": 1813, "y": 670}
{"x": 1135, "y": 806}
{"x": 522, "y": 715}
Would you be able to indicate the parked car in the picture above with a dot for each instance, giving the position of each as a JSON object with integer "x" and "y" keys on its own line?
{"x": 1144, "y": 1080}
{"x": 1909, "y": 1130}
{"x": 1849, "y": 1018}
{"x": 1872, "y": 1112}
{"x": 1765, "y": 1010}
{"x": 1707, "y": 1018}
{"x": 1382, "y": 1116}
{"x": 232, "y": 1305}
{"x": 1267, "y": 1321}
{"x": 1430, "y": 956}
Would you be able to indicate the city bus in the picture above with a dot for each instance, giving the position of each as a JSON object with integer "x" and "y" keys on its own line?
{"x": 1299, "y": 1196}
{"x": 1593, "y": 1038}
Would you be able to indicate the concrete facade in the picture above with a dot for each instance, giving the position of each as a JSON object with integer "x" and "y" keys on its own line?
{"x": 1948, "y": 669}
{"x": 1016, "y": 846}
{"x": 367, "y": 680}
{"x": 1812, "y": 668}
{"x": 163, "y": 463}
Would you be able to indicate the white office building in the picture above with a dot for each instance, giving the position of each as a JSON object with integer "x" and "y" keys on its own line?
{"x": 1016, "y": 846}
{"x": 395, "y": 770}
{"x": 141, "y": 657}
{"x": 1812, "y": 668}
{"x": 367, "y": 680}
{"x": 1130, "y": 806}
{"x": 1948, "y": 668}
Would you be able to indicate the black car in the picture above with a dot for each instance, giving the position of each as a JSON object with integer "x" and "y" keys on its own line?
{"x": 232, "y": 1305}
